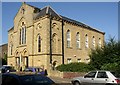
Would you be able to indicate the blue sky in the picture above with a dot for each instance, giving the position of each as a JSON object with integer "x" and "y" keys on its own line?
{"x": 100, "y": 15}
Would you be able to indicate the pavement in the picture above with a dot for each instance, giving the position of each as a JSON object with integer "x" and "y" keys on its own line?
{"x": 61, "y": 81}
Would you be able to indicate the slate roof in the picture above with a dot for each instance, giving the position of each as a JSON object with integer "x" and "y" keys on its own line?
{"x": 49, "y": 11}
{"x": 80, "y": 24}
{"x": 46, "y": 11}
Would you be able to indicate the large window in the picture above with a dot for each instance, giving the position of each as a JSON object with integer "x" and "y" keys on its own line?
{"x": 93, "y": 42}
{"x": 11, "y": 49}
{"x": 22, "y": 36}
{"x": 39, "y": 43}
{"x": 68, "y": 38}
{"x": 78, "y": 40}
{"x": 86, "y": 41}
{"x": 99, "y": 42}
{"x": 54, "y": 43}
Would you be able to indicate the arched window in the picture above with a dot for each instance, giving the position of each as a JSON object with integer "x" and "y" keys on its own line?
{"x": 22, "y": 35}
{"x": 39, "y": 43}
{"x": 68, "y": 38}
{"x": 86, "y": 41}
{"x": 78, "y": 40}
{"x": 20, "y": 38}
{"x": 93, "y": 42}
{"x": 11, "y": 49}
{"x": 54, "y": 43}
{"x": 99, "y": 42}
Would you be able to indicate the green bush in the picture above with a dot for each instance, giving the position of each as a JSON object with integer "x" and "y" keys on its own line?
{"x": 74, "y": 67}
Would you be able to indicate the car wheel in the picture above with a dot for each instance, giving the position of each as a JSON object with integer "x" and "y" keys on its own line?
{"x": 76, "y": 83}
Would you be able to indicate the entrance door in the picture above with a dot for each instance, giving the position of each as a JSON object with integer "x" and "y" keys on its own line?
{"x": 18, "y": 61}
{"x": 26, "y": 61}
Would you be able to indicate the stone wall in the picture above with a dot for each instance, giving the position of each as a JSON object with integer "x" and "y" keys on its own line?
{"x": 65, "y": 74}
{"x": 72, "y": 74}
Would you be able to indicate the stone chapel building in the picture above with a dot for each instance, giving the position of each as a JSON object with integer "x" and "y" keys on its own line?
{"x": 40, "y": 37}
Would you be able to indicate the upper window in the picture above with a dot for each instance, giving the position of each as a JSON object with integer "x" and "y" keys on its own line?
{"x": 39, "y": 43}
{"x": 78, "y": 40}
{"x": 93, "y": 42}
{"x": 68, "y": 38}
{"x": 23, "y": 10}
{"x": 11, "y": 49}
{"x": 54, "y": 43}
{"x": 99, "y": 42}
{"x": 22, "y": 37}
{"x": 86, "y": 41}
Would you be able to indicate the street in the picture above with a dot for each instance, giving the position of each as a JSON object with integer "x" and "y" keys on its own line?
{"x": 61, "y": 81}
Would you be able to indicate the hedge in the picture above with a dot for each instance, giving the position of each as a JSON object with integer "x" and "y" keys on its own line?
{"x": 74, "y": 67}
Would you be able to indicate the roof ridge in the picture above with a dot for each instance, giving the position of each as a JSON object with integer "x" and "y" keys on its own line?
{"x": 55, "y": 12}
{"x": 82, "y": 23}
{"x": 47, "y": 9}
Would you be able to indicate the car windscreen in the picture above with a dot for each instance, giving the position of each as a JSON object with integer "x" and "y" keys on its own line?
{"x": 116, "y": 74}
{"x": 42, "y": 79}
{"x": 35, "y": 79}
{"x": 26, "y": 79}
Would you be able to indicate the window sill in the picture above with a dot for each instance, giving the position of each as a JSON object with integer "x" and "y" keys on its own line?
{"x": 79, "y": 48}
{"x": 23, "y": 45}
{"x": 69, "y": 47}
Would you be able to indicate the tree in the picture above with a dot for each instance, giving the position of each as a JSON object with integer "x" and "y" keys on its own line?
{"x": 4, "y": 60}
{"x": 105, "y": 56}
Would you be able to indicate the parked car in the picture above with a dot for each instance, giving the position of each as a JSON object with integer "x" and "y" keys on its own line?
{"x": 7, "y": 68}
{"x": 34, "y": 70}
{"x": 98, "y": 78}
{"x": 25, "y": 79}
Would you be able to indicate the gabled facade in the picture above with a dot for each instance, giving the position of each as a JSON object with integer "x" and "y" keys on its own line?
{"x": 41, "y": 36}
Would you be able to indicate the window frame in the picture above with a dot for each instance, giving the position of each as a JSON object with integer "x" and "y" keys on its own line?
{"x": 39, "y": 43}
{"x": 69, "y": 60}
{"x": 104, "y": 76}
{"x": 86, "y": 41}
{"x": 93, "y": 42}
{"x": 68, "y": 38}
{"x": 92, "y": 76}
{"x": 78, "y": 40}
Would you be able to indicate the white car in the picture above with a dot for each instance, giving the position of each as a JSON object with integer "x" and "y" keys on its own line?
{"x": 98, "y": 78}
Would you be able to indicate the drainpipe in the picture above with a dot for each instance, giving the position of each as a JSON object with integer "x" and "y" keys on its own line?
{"x": 62, "y": 42}
{"x": 50, "y": 39}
